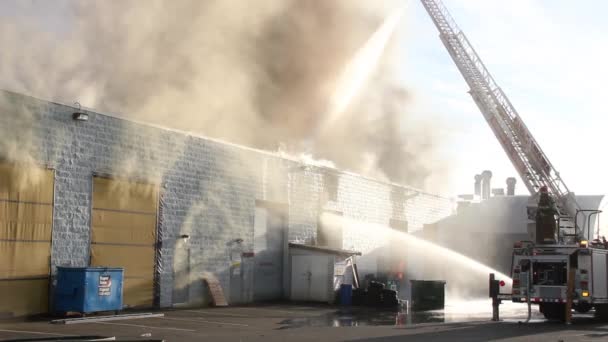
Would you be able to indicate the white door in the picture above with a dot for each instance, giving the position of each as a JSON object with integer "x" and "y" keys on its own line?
{"x": 321, "y": 281}
{"x": 310, "y": 278}
{"x": 300, "y": 277}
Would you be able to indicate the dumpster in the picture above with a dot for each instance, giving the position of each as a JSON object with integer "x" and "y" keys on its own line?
{"x": 88, "y": 289}
{"x": 427, "y": 295}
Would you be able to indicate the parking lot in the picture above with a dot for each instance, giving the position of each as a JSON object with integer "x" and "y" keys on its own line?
{"x": 318, "y": 323}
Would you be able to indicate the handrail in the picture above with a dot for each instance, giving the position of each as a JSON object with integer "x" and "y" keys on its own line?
{"x": 587, "y": 219}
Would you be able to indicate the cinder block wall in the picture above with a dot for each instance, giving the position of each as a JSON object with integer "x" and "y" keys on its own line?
{"x": 207, "y": 188}
{"x": 361, "y": 201}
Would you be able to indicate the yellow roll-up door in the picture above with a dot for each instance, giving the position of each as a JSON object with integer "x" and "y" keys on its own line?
{"x": 124, "y": 234}
{"x": 26, "y": 221}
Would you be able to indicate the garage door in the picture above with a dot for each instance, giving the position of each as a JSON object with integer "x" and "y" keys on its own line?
{"x": 124, "y": 234}
{"x": 26, "y": 217}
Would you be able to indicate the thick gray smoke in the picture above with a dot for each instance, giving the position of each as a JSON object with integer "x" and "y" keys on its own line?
{"x": 258, "y": 73}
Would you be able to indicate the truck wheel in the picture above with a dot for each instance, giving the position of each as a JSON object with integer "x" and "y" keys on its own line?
{"x": 553, "y": 311}
{"x": 601, "y": 312}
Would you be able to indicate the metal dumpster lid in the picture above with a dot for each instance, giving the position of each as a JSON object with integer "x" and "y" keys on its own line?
{"x": 90, "y": 268}
{"x": 324, "y": 249}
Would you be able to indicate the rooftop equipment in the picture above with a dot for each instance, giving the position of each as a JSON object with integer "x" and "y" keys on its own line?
{"x": 555, "y": 274}
{"x": 523, "y": 150}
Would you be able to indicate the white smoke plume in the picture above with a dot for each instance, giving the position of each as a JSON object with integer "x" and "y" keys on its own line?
{"x": 258, "y": 73}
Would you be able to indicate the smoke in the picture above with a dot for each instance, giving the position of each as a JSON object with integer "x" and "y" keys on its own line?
{"x": 20, "y": 136}
{"x": 19, "y": 145}
{"x": 260, "y": 74}
{"x": 417, "y": 258}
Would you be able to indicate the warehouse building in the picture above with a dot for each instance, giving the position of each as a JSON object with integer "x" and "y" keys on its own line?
{"x": 80, "y": 188}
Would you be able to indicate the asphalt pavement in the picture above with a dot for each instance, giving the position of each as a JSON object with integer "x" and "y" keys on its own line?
{"x": 288, "y": 322}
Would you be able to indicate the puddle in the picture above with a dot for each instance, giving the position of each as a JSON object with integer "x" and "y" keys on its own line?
{"x": 462, "y": 311}
{"x": 355, "y": 317}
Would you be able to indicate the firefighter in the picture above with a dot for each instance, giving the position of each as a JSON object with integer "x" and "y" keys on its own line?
{"x": 545, "y": 217}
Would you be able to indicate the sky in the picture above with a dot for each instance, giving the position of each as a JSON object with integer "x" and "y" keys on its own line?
{"x": 549, "y": 58}
{"x": 547, "y": 55}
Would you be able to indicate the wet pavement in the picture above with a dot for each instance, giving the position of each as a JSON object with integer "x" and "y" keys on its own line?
{"x": 454, "y": 312}
{"x": 460, "y": 321}
{"x": 356, "y": 317}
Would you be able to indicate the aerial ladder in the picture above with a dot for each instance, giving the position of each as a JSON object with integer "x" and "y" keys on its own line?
{"x": 523, "y": 150}
{"x": 557, "y": 277}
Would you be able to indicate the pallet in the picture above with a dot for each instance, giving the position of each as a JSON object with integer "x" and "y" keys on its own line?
{"x": 215, "y": 289}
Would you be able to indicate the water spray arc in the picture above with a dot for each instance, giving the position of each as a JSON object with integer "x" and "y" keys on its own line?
{"x": 359, "y": 69}
{"x": 426, "y": 258}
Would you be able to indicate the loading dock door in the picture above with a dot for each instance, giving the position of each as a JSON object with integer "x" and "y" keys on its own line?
{"x": 124, "y": 235}
{"x": 26, "y": 220}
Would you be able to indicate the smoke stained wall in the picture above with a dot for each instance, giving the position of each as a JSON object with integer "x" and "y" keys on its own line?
{"x": 254, "y": 73}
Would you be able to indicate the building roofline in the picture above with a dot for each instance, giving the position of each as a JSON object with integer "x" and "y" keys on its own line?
{"x": 277, "y": 154}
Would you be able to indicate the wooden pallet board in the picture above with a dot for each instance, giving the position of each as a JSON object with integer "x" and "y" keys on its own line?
{"x": 356, "y": 275}
{"x": 215, "y": 289}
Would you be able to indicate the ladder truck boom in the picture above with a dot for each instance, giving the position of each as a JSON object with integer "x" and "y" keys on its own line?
{"x": 523, "y": 150}
{"x": 556, "y": 277}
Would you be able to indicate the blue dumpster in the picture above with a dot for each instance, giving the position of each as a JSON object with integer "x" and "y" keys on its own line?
{"x": 88, "y": 289}
{"x": 346, "y": 294}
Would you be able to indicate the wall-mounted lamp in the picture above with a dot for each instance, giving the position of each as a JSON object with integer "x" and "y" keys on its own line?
{"x": 234, "y": 241}
{"x": 184, "y": 236}
{"x": 80, "y": 115}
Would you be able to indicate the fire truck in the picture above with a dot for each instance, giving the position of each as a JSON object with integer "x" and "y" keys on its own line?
{"x": 568, "y": 270}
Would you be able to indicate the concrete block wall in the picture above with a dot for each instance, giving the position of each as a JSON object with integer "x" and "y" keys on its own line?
{"x": 207, "y": 188}
{"x": 367, "y": 206}
{"x": 305, "y": 189}
{"x": 360, "y": 199}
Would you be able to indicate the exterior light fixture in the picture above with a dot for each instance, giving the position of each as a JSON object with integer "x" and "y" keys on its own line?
{"x": 79, "y": 115}
{"x": 237, "y": 241}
